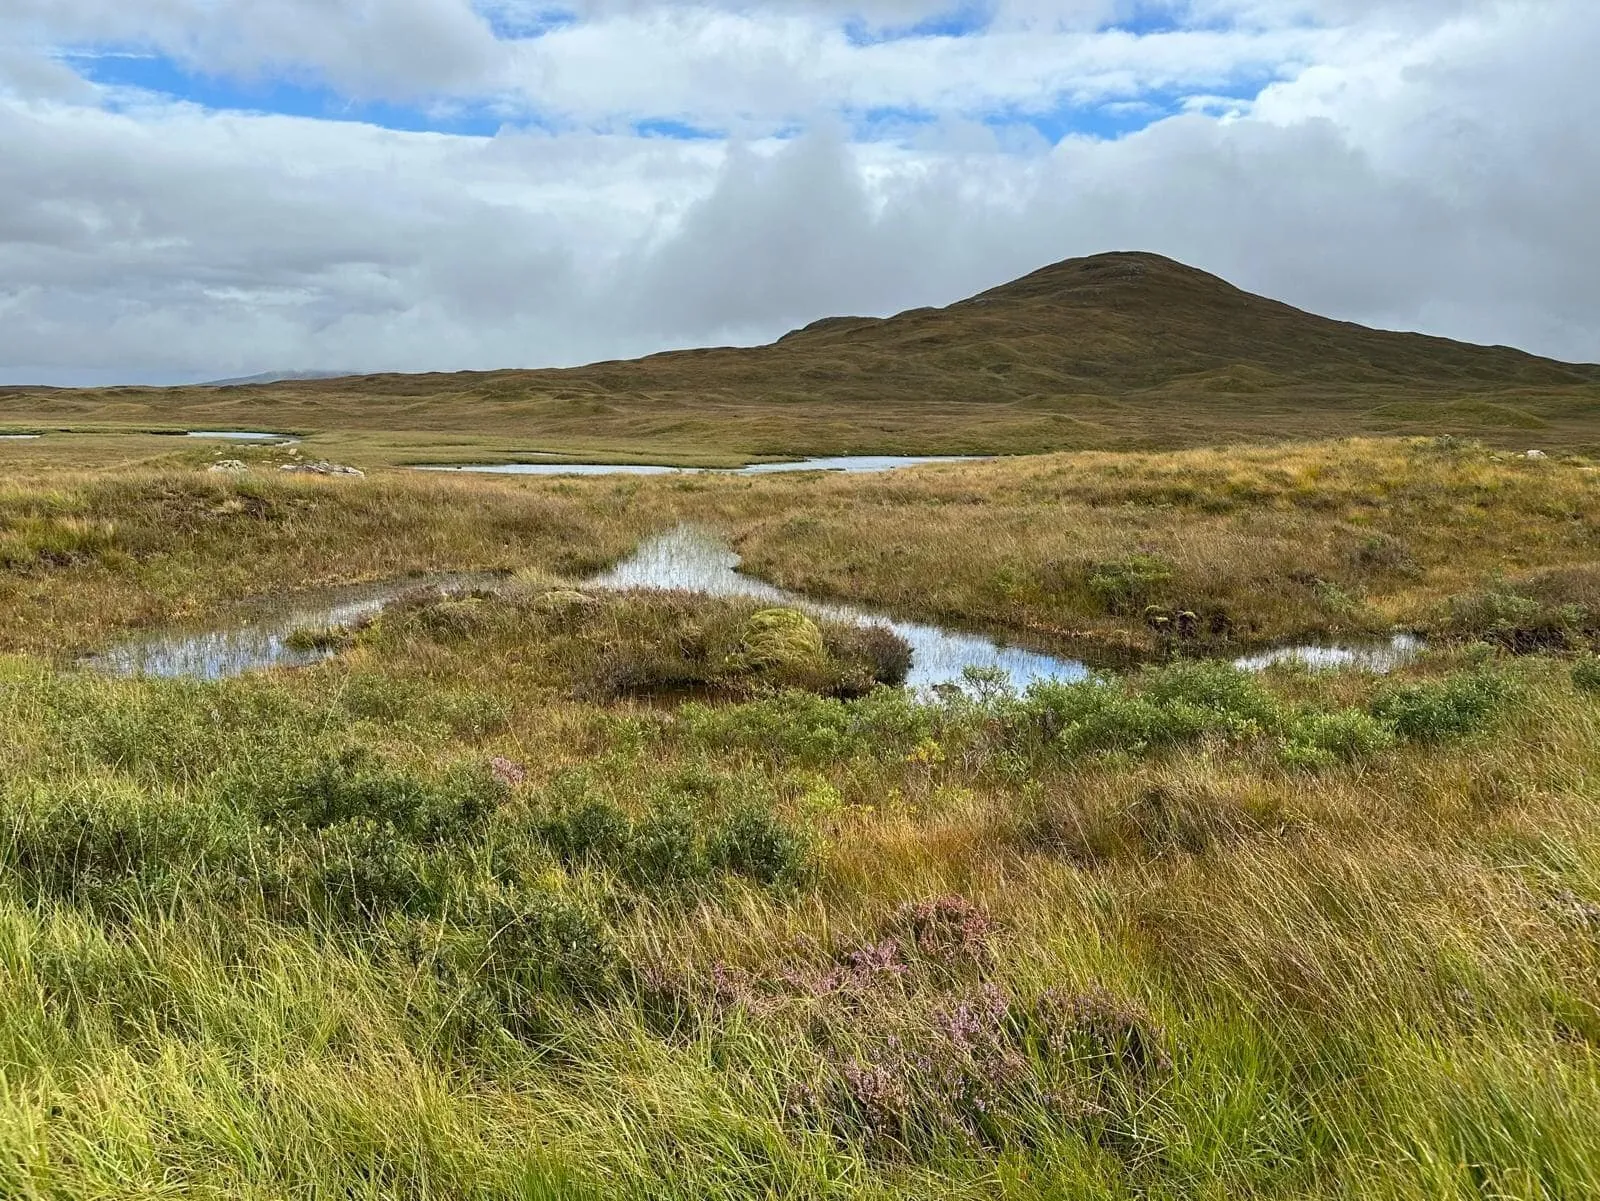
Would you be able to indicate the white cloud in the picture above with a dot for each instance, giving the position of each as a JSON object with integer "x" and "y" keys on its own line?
{"x": 1430, "y": 165}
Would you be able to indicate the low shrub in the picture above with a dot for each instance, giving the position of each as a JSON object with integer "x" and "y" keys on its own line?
{"x": 1554, "y": 611}
{"x": 1317, "y": 740}
{"x": 108, "y": 845}
{"x": 1442, "y": 710}
{"x": 883, "y": 656}
{"x": 353, "y": 784}
{"x": 752, "y": 843}
{"x": 549, "y": 945}
{"x": 1163, "y": 707}
{"x": 983, "y": 1068}
{"x": 676, "y": 847}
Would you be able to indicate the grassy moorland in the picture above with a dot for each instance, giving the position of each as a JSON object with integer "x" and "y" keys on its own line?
{"x": 1094, "y": 552}
{"x": 546, "y": 895}
{"x": 1117, "y": 351}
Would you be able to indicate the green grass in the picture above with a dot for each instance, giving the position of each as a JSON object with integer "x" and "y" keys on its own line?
{"x": 263, "y": 938}
{"x": 555, "y": 895}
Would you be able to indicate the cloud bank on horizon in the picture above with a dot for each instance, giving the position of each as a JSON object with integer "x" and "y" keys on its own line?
{"x": 201, "y": 188}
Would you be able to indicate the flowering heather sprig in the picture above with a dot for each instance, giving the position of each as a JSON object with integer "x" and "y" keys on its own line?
{"x": 981, "y": 1067}
{"x": 950, "y": 931}
{"x": 855, "y": 971}
{"x": 1113, "y": 1028}
{"x": 881, "y": 1096}
{"x": 507, "y": 771}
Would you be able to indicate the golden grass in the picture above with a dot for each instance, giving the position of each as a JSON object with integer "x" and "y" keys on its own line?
{"x": 1089, "y": 551}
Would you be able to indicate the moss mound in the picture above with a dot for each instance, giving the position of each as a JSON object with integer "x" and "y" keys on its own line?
{"x": 778, "y": 641}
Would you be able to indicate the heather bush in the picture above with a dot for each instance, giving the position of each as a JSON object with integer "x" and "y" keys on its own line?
{"x": 983, "y": 1068}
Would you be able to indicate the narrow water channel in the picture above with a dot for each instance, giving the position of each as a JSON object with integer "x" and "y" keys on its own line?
{"x": 852, "y": 464}
{"x": 688, "y": 559}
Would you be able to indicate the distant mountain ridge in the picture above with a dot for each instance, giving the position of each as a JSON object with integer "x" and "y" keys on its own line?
{"x": 271, "y": 377}
{"x": 1126, "y": 349}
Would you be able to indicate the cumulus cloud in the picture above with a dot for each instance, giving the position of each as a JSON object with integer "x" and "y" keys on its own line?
{"x": 1428, "y": 168}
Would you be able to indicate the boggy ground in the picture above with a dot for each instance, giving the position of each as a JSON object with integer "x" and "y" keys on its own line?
{"x": 1085, "y": 552}
{"x": 449, "y": 915}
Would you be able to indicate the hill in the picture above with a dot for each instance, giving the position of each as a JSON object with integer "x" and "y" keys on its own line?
{"x": 1122, "y": 349}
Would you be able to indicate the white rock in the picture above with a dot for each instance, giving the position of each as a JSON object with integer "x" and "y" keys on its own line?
{"x": 322, "y": 468}
{"x": 1536, "y": 454}
{"x": 229, "y": 467}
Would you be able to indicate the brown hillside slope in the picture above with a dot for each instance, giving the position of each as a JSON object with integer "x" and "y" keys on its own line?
{"x": 1116, "y": 349}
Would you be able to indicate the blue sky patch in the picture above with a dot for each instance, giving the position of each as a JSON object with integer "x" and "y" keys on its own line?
{"x": 512, "y": 23}
{"x": 677, "y": 131}
{"x": 962, "y": 21}
{"x": 277, "y": 94}
{"x": 303, "y": 94}
{"x": 1119, "y": 118}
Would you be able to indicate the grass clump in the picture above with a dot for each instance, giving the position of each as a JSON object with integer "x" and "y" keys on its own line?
{"x": 319, "y": 639}
{"x": 1130, "y": 584}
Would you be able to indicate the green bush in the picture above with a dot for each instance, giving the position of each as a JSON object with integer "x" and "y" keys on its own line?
{"x": 811, "y": 730}
{"x": 1519, "y": 622}
{"x": 1316, "y": 740}
{"x": 752, "y": 842}
{"x": 1163, "y": 707}
{"x": 589, "y": 830}
{"x": 1586, "y": 674}
{"x": 107, "y": 844}
{"x": 1437, "y": 712}
{"x": 681, "y": 845}
{"x": 363, "y": 869}
{"x": 551, "y": 944}
{"x": 353, "y": 784}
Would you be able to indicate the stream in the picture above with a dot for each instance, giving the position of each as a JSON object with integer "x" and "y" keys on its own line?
{"x": 687, "y": 558}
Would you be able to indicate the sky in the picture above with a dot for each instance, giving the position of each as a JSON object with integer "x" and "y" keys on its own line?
{"x": 194, "y": 189}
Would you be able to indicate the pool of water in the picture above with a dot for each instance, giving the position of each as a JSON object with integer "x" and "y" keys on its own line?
{"x": 1381, "y": 657}
{"x": 688, "y": 559}
{"x": 566, "y": 469}
{"x": 695, "y": 560}
{"x": 262, "y": 639}
{"x": 240, "y": 435}
{"x": 844, "y": 463}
